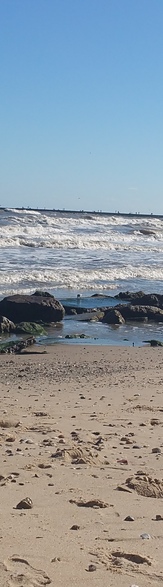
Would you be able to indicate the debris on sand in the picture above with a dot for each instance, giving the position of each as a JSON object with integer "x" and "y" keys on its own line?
{"x": 92, "y": 503}
{"x": 145, "y": 485}
{"x": 76, "y": 455}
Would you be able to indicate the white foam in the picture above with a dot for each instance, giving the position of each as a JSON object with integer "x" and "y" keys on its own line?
{"x": 23, "y": 211}
{"x": 78, "y": 252}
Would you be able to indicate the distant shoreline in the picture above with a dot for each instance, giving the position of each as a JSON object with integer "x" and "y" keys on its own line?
{"x": 84, "y": 212}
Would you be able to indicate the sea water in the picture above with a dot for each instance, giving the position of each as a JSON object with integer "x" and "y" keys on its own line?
{"x": 69, "y": 254}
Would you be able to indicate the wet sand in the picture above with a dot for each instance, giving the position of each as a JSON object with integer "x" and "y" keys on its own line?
{"x": 77, "y": 429}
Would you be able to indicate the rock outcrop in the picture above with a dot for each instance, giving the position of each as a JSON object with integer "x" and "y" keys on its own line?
{"x": 34, "y": 308}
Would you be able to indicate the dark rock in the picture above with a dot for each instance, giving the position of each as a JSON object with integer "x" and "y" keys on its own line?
{"x": 128, "y": 295}
{"x": 6, "y": 325}
{"x": 148, "y": 300}
{"x": 43, "y": 294}
{"x": 154, "y": 342}
{"x": 130, "y": 312}
{"x": 25, "y": 504}
{"x": 113, "y": 317}
{"x": 70, "y": 336}
{"x": 154, "y": 422}
{"x": 154, "y": 313}
{"x": 147, "y": 231}
{"x": 99, "y": 295}
{"x": 92, "y": 568}
{"x": 140, "y": 298}
{"x": 23, "y": 308}
{"x": 70, "y": 311}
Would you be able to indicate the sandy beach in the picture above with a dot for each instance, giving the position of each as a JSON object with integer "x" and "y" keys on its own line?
{"x": 81, "y": 438}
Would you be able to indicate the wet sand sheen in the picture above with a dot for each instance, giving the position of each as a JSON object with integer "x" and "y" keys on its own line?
{"x": 79, "y": 429}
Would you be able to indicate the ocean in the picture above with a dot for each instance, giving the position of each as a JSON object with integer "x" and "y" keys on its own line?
{"x": 68, "y": 253}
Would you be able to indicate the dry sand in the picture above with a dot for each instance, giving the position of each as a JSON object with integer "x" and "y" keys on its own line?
{"x": 75, "y": 424}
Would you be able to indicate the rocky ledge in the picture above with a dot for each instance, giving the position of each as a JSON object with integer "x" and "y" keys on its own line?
{"x": 140, "y": 298}
{"x": 128, "y": 312}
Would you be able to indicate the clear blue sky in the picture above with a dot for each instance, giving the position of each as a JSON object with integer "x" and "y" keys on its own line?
{"x": 81, "y": 104}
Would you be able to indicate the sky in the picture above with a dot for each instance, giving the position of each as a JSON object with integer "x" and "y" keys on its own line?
{"x": 81, "y": 104}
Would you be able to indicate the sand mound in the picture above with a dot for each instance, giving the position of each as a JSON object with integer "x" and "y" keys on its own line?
{"x": 145, "y": 485}
{"x": 76, "y": 455}
{"x": 8, "y": 424}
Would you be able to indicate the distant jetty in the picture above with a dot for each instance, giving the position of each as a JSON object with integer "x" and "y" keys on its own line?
{"x": 84, "y": 212}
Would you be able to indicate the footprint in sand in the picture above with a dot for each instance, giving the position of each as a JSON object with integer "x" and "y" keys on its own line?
{"x": 123, "y": 561}
{"x": 17, "y": 571}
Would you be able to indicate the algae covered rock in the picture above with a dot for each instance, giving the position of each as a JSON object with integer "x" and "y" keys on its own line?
{"x": 154, "y": 342}
{"x": 16, "y": 346}
{"x": 29, "y": 328}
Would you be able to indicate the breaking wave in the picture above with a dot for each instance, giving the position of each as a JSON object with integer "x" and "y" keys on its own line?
{"x": 80, "y": 252}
